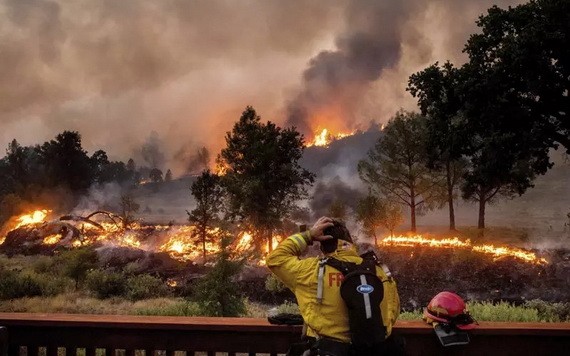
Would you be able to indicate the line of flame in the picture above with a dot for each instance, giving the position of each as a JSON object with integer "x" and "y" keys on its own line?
{"x": 496, "y": 251}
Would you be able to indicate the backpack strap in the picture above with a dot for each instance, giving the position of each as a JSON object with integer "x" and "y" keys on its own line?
{"x": 342, "y": 266}
{"x": 372, "y": 258}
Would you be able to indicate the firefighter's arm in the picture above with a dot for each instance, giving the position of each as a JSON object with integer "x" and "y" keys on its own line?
{"x": 284, "y": 260}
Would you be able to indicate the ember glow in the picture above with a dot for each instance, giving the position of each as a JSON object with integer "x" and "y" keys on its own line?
{"x": 52, "y": 239}
{"x": 455, "y": 243}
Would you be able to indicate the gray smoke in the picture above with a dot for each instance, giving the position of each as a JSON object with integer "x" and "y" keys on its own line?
{"x": 381, "y": 38}
{"x": 151, "y": 152}
{"x": 117, "y": 70}
{"x": 328, "y": 192}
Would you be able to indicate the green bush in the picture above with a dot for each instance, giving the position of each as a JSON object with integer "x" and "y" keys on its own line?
{"x": 217, "y": 294}
{"x": 16, "y": 285}
{"x": 106, "y": 284}
{"x": 273, "y": 284}
{"x": 144, "y": 286}
{"x": 288, "y": 308}
{"x": 77, "y": 263}
{"x": 44, "y": 264}
{"x": 531, "y": 311}
{"x": 411, "y": 315}
{"x": 502, "y": 311}
{"x": 51, "y": 284}
{"x": 550, "y": 312}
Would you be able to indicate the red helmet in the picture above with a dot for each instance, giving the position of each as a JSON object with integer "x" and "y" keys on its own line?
{"x": 448, "y": 307}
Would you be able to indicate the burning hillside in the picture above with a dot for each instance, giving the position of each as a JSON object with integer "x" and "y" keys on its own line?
{"x": 324, "y": 137}
{"x": 423, "y": 266}
{"x": 35, "y": 233}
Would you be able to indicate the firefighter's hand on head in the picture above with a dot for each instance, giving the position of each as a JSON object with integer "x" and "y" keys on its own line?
{"x": 317, "y": 230}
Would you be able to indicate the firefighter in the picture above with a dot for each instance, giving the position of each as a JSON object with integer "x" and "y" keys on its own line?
{"x": 320, "y": 302}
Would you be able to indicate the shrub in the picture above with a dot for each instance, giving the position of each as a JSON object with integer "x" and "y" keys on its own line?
{"x": 502, "y": 311}
{"x": 273, "y": 284}
{"x": 410, "y": 315}
{"x": 15, "y": 285}
{"x": 44, "y": 264}
{"x": 550, "y": 312}
{"x": 51, "y": 284}
{"x": 176, "y": 308}
{"x": 77, "y": 263}
{"x": 106, "y": 284}
{"x": 288, "y": 308}
{"x": 144, "y": 286}
{"x": 531, "y": 311}
{"x": 217, "y": 294}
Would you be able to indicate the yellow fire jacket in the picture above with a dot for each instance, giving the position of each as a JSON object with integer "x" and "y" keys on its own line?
{"x": 330, "y": 317}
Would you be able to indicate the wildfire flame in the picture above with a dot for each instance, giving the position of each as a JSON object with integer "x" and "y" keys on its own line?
{"x": 496, "y": 251}
{"x": 52, "y": 239}
{"x": 183, "y": 242}
{"x": 324, "y": 138}
{"x": 34, "y": 217}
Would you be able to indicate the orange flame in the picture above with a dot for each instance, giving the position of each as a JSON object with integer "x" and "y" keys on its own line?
{"x": 34, "y": 217}
{"x": 496, "y": 251}
{"x": 52, "y": 239}
{"x": 324, "y": 138}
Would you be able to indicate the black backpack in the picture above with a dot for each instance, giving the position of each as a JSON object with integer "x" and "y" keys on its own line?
{"x": 362, "y": 292}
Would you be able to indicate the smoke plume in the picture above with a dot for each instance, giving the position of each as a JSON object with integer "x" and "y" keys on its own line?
{"x": 117, "y": 70}
{"x": 382, "y": 44}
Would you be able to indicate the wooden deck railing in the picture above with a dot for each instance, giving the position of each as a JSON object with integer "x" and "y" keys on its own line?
{"x": 68, "y": 334}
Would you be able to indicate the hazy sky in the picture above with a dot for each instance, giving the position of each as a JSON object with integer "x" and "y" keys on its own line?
{"x": 118, "y": 70}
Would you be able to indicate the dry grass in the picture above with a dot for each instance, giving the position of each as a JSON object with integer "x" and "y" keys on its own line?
{"x": 81, "y": 303}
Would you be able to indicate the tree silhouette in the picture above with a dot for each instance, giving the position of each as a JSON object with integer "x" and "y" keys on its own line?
{"x": 436, "y": 89}
{"x": 263, "y": 178}
{"x": 66, "y": 163}
{"x": 208, "y": 194}
{"x": 396, "y": 166}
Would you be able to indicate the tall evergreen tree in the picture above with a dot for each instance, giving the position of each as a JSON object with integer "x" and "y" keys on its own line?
{"x": 208, "y": 194}
{"x": 66, "y": 163}
{"x": 396, "y": 166}
{"x": 262, "y": 175}
{"x": 436, "y": 89}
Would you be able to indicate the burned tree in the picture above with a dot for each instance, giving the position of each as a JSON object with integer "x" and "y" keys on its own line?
{"x": 128, "y": 207}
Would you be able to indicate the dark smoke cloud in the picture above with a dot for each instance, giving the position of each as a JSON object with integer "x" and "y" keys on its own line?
{"x": 118, "y": 70}
{"x": 151, "y": 152}
{"x": 380, "y": 36}
{"x": 193, "y": 159}
{"x": 328, "y": 192}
